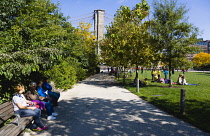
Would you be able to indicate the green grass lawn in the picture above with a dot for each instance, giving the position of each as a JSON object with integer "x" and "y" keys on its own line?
{"x": 197, "y": 110}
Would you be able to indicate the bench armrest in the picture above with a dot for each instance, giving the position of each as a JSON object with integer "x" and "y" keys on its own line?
{"x": 17, "y": 115}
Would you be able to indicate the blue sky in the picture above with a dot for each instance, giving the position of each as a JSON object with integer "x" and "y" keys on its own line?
{"x": 82, "y": 10}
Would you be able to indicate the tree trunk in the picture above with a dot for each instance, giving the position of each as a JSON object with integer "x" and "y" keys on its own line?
{"x": 137, "y": 78}
{"x": 170, "y": 69}
{"x": 118, "y": 75}
{"x": 123, "y": 68}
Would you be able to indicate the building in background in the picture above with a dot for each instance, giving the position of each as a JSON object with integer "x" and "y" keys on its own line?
{"x": 204, "y": 45}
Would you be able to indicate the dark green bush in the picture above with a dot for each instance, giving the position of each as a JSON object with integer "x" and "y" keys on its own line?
{"x": 81, "y": 73}
{"x": 4, "y": 97}
{"x": 63, "y": 75}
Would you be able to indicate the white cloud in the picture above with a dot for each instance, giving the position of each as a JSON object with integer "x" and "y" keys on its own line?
{"x": 121, "y": 1}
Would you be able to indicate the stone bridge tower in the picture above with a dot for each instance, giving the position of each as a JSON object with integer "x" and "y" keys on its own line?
{"x": 99, "y": 27}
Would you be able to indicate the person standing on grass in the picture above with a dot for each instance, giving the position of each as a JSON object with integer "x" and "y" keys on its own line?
{"x": 166, "y": 73}
{"x": 153, "y": 73}
{"x": 158, "y": 73}
{"x": 21, "y": 107}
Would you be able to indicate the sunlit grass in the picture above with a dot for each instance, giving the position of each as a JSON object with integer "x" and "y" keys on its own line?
{"x": 197, "y": 111}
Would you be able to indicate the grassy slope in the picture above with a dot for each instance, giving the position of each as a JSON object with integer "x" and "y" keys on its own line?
{"x": 197, "y": 110}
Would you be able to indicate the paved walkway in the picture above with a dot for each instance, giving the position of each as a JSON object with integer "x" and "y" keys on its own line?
{"x": 98, "y": 107}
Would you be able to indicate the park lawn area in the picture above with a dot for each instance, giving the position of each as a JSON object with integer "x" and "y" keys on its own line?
{"x": 197, "y": 108}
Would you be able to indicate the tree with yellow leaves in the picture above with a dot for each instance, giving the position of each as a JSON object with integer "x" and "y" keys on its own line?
{"x": 201, "y": 59}
{"x": 87, "y": 47}
{"x": 84, "y": 32}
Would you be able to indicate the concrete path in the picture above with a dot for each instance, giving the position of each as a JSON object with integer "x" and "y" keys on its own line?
{"x": 98, "y": 107}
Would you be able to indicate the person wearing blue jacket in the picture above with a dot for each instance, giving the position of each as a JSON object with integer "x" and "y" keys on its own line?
{"x": 48, "y": 87}
{"x": 44, "y": 93}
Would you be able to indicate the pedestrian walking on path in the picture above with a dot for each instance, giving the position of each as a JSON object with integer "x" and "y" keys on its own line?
{"x": 97, "y": 106}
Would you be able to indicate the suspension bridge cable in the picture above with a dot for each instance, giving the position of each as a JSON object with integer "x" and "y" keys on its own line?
{"x": 90, "y": 21}
{"x": 82, "y": 15}
{"x": 109, "y": 14}
{"x": 81, "y": 18}
{"x": 107, "y": 21}
{"x": 108, "y": 18}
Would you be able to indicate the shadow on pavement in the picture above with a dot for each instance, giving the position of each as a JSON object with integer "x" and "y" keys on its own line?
{"x": 103, "y": 117}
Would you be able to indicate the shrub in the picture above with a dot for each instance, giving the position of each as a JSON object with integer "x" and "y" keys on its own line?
{"x": 81, "y": 73}
{"x": 4, "y": 97}
{"x": 63, "y": 75}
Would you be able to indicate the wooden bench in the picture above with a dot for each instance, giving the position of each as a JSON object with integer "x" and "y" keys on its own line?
{"x": 16, "y": 125}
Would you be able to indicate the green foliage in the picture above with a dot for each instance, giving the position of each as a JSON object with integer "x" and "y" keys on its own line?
{"x": 181, "y": 63}
{"x": 85, "y": 50}
{"x": 171, "y": 32}
{"x": 203, "y": 67}
{"x": 8, "y": 11}
{"x": 4, "y": 97}
{"x": 81, "y": 73}
{"x": 34, "y": 37}
{"x": 127, "y": 38}
{"x": 29, "y": 44}
{"x": 63, "y": 75}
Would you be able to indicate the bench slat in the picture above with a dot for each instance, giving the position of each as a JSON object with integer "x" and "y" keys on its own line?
{"x": 5, "y": 104}
{"x": 12, "y": 129}
{"x": 5, "y": 109}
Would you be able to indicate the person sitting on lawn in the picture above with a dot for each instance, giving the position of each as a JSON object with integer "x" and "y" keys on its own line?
{"x": 145, "y": 81}
{"x": 161, "y": 80}
{"x": 167, "y": 81}
{"x": 179, "y": 80}
{"x": 141, "y": 83}
{"x": 184, "y": 82}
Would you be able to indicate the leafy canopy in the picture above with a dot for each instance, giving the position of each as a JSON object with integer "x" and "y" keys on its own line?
{"x": 126, "y": 41}
{"x": 171, "y": 32}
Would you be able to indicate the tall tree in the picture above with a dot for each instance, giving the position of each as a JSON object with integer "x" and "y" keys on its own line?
{"x": 171, "y": 31}
{"x": 31, "y": 38}
{"x": 127, "y": 38}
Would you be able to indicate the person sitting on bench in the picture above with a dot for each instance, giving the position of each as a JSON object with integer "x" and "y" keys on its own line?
{"x": 32, "y": 95}
{"x": 48, "y": 87}
{"x": 21, "y": 107}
